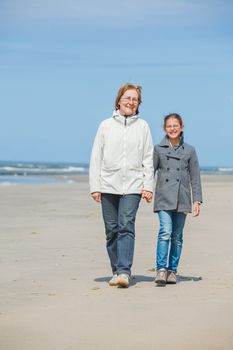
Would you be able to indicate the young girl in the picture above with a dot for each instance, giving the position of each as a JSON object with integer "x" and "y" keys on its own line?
{"x": 178, "y": 175}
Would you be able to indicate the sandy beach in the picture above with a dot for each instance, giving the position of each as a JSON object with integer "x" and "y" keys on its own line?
{"x": 54, "y": 292}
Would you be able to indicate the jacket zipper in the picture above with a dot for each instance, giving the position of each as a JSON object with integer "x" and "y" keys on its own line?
{"x": 124, "y": 155}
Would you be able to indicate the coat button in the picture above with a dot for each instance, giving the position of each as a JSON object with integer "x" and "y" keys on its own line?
{"x": 167, "y": 180}
{"x": 178, "y": 169}
{"x": 177, "y": 180}
{"x": 168, "y": 169}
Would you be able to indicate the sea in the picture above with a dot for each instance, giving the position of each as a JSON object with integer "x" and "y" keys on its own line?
{"x": 26, "y": 173}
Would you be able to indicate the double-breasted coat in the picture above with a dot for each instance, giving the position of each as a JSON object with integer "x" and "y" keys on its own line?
{"x": 178, "y": 182}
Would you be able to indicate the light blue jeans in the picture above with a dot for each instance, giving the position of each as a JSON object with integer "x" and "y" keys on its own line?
{"x": 170, "y": 239}
{"x": 119, "y": 214}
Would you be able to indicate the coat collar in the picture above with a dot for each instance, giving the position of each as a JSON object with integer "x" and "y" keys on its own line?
{"x": 165, "y": 141}
{"x": 170, "y": 151}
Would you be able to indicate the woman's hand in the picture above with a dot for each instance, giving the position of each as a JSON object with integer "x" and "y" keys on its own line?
{"x": 196, "y": 208}
{"x": 147, "y": 195}
{"x": 96, "y": 196}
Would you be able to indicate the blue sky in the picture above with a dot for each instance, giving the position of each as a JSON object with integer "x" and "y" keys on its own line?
{"x": 62, "y": 62}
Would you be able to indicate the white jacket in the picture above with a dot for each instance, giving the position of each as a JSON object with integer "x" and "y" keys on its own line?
{"x": 122, "y": 156}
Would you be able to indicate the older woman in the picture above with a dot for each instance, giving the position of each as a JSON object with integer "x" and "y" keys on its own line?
{"x": 121, "y": 173}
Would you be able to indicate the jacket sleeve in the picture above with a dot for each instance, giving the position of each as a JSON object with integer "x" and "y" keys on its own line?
{"x": 95, "y": 161}
{"x": 195, "y": 177}
{"x": 147, "y": 163}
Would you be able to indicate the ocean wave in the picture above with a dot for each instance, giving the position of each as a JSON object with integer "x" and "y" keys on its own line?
{"x": 216, "y": 170}
{"x": 7, "y": 183}
{"x": 226, "y": 169}
{"x": 12, "y": 180}
{"x": 42, "y": 169}
{"x": 78, "y": 169}
{"x": 20, "y": 168}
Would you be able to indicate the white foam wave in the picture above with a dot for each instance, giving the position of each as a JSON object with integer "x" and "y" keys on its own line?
{"x": 9, "y": 168}
{"x": 226, "y": 169}
{"x": 6, "y": 183}
{"x": 31, "y": 170}
{"x": 72, "y": 168}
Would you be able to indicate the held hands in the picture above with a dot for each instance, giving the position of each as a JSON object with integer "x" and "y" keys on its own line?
{"x": 147, "y": 195}
{"x": 96, "y": 196}
{"x": 196, "y": 208}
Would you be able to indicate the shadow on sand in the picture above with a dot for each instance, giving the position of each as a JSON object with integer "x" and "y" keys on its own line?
{"x": 142, "y": 278}
{"x": 188, "y": 278}
{"x": 134, "y": 279}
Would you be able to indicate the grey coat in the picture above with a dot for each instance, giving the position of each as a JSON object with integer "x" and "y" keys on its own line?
{"x": 178, "y": 176}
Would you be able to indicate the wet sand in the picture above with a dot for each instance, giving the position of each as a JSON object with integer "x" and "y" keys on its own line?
{"x": 54, "y": 273}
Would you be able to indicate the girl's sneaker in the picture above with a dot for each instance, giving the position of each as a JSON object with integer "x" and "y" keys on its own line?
{"x": 171, "y": 277}
{"x": 161, "y": 277}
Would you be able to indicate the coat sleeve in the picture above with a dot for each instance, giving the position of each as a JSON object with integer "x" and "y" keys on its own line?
{"x": 95, "y": 161}
{"x": 195, "y": 177}
{"x": 147, "y": 163}
{"x": 155, "y": 159}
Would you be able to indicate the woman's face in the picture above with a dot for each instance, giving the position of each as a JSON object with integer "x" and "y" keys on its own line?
{"x": 128, "y": 103}
{"x": 173, "y": 128}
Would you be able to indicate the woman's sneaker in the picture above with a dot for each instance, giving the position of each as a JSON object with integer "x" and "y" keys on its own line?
{"x": 171, "y": 277}
{"x": 113, "y": 281}
{"x": 161, "y": 277}
{"x": 123, "y": 280}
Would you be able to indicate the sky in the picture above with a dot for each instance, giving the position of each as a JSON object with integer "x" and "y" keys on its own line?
{"x": 63, "y": 61}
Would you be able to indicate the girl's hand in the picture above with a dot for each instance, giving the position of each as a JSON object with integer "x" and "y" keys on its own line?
{"x": 196, "y": 208}
{"x": 96, "y": 196}
{"x": 147, "y": 195}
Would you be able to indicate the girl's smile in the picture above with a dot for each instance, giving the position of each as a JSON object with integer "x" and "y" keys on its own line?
{"x": 173, "y": 130}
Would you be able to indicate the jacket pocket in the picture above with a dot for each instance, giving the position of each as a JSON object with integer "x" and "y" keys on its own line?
{"x": 105, "y": 171}
{"x": 109, "y": 165}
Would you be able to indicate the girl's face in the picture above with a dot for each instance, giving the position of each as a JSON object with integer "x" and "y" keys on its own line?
{"x": 128, "y": 103}
{"x": 173, "y": 129}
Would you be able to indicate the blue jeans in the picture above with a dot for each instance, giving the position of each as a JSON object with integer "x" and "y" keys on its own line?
{"x": 170, "y": 239}
{"x": 119, "y": 214}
